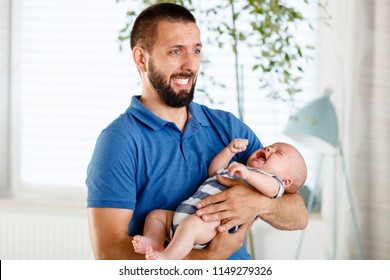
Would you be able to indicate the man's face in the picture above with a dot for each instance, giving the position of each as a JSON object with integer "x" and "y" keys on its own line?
{"x": 174, "y": 62}
{"x": 176, "y": 99}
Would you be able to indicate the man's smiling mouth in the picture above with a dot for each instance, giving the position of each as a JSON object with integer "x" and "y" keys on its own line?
{"x": 182, "y": 79}
{"x": 182, "y": 82}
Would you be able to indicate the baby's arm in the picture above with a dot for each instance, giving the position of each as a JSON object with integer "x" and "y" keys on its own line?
{"x": 222, "y": 159}
{"x": 265, "y": 184}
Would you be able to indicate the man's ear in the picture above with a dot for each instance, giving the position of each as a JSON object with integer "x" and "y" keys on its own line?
{"x": 139, "y": 57}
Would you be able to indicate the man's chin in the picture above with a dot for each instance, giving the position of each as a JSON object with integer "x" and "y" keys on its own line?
{"x": 181, "y": 89}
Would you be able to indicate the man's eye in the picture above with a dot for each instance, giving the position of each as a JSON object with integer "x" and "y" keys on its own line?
{"x": 175, "y": 52}
{"x": 197, "y": 51}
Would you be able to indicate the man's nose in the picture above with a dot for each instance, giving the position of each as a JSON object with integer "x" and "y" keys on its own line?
{"x": 190, "y": 63}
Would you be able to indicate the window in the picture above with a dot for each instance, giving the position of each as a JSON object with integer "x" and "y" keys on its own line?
{"x": 71, "y": 80}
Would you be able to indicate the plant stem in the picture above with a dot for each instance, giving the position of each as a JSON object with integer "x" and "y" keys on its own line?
{"x": 235, "y": 50}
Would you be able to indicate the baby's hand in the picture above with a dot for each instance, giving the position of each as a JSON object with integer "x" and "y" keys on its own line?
{"x": 239, "y": 170}
{"x": 238, "y": 145}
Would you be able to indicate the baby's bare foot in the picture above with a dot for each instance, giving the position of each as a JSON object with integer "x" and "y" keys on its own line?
{"x": 154, "y": 255}
{"x": 140, "y": 244}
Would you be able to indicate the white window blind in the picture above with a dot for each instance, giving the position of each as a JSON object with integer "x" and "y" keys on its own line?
{"x": 73, "y": 80}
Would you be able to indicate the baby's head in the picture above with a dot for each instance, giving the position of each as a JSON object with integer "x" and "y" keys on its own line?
{"x": 283, "y": 160}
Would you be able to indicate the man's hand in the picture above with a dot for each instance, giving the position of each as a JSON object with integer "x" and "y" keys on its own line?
{"x": 240, "y": 204}
{"x": 237, "y": 205}
{"x": 223, "y": 245}
{"x": 228, "y": 243}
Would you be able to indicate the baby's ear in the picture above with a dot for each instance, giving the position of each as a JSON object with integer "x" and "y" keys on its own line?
{"x": 287, "y": 182}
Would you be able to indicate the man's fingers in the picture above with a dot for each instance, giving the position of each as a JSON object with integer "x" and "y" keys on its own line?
{"x": 213, "y": 200}
{"x": 231, "y": 223}
{"x": 217, "y": 198}
{"x": 213, "y": 212}
{"x": 227, "y": 224}
{"x": 212, "y": 217}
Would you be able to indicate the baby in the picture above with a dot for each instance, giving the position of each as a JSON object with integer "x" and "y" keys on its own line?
{"x": 272, "y": 170}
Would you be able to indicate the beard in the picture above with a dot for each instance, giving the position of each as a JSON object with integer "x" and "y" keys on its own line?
{"x": 166, "y": 92}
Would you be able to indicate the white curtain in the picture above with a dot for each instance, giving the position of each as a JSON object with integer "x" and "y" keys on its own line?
{"x": 370, "y": 164}
{"x": 357, "y": 52}
{"x": 4, "y": 87}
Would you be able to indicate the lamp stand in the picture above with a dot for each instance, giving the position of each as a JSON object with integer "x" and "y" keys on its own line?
{"x": 335, "y": 210}
{"x": 310, "y": 204}
{"x": 353, "y": 213}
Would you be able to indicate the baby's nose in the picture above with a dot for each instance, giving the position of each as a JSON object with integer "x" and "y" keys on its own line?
{"x": 269, "y": 149}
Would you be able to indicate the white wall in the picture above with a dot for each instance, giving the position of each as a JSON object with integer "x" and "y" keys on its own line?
{"x": 43, "y": 233}
{"x": 273, "y": 244}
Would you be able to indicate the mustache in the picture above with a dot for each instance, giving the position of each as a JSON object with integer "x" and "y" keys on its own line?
{"x": 183, "y": 75}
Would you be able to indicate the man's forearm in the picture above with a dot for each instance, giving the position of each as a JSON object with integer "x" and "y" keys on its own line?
{"x": 118, "y": 250}
{"x": 108, "y": 229}
{"x": 287, "y": 212}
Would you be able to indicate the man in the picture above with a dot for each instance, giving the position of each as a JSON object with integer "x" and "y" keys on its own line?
{"x": 157, "y": 153}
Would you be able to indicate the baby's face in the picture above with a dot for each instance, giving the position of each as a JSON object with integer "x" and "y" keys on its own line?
{"x": 273, "y": 159}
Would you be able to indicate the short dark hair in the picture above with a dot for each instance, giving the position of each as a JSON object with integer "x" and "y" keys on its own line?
{"x": 144, "y": 30}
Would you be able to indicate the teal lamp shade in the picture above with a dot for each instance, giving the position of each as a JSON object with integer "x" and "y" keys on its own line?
{"x": 315, "y": 125}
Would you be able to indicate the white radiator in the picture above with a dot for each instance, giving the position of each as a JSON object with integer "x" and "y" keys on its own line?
{"x": 44, "y": 234}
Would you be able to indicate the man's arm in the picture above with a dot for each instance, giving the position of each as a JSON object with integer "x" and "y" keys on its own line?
{"x": 287, "y": 212}
{"x": 109, "y": 234}
{"x": 240, "y": 204}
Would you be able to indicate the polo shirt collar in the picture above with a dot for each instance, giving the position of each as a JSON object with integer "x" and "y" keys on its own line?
{"x": 139, "y": 111}
{"x": 198, "y": 115}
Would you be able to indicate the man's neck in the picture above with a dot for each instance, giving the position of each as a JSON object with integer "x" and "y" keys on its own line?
{"x": 179, "y": 116}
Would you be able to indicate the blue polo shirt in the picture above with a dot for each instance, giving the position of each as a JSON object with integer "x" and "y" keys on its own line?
{"x": 142, "y": 162}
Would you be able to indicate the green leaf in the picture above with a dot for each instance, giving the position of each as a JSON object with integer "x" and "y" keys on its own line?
{"x": 124, "y": 29}
{"x": 287, "y": 57}
{"x": 299, "y": 51}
